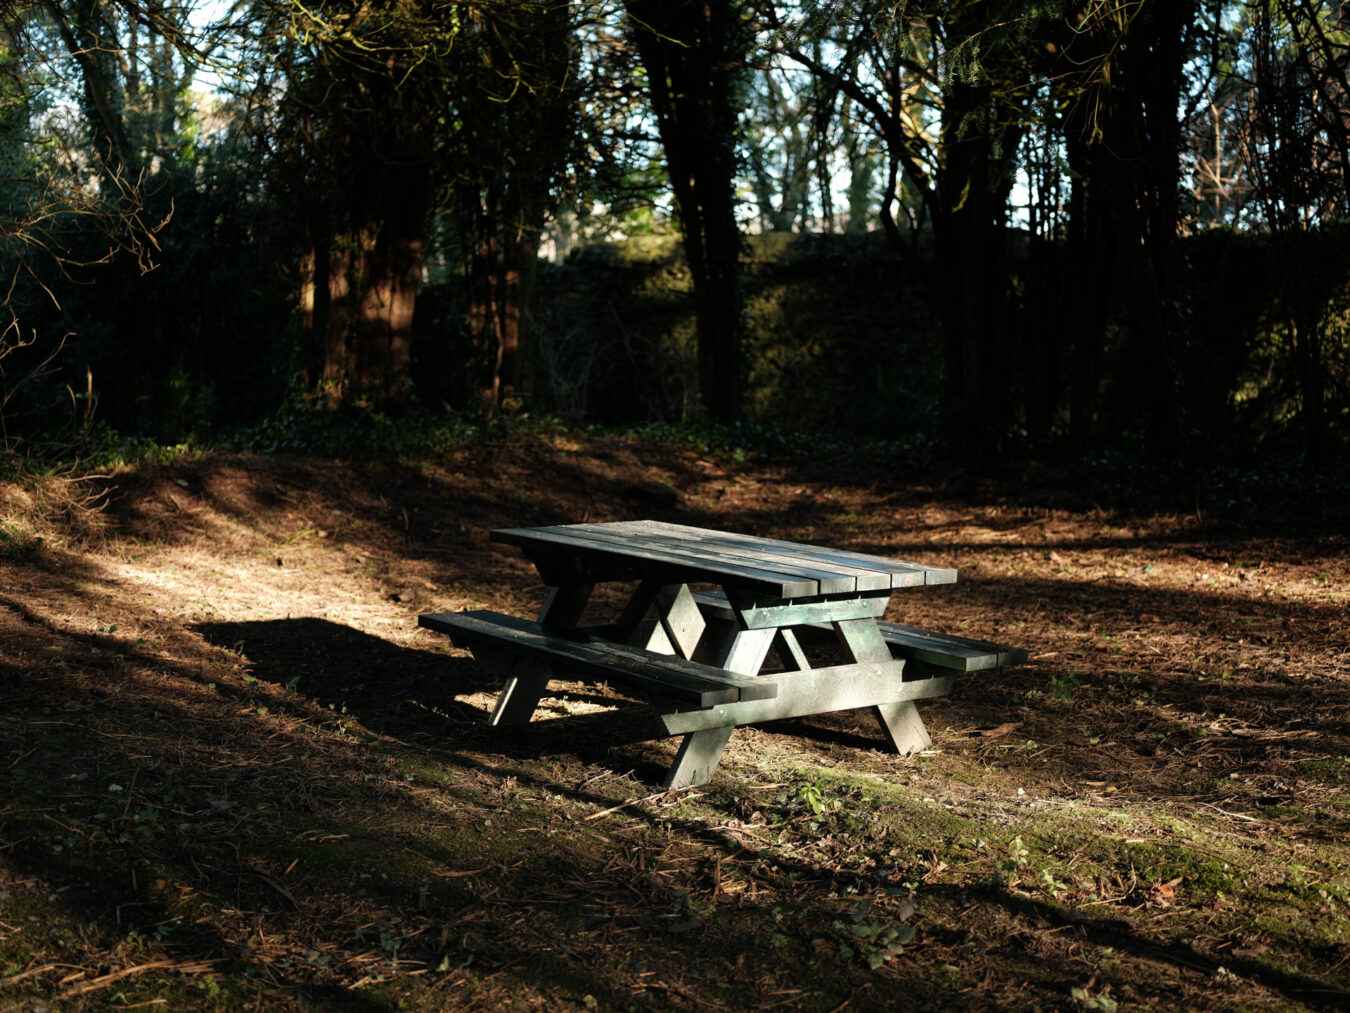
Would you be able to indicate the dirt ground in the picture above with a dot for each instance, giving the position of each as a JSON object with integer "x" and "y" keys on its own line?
{"x": 238, "y": 776}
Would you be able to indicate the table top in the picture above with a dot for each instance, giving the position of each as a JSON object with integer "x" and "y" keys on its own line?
{"x": 685, "y": 554}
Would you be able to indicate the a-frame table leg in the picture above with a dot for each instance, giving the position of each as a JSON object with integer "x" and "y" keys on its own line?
{"x": 526, "y": 681}
{"x": 903, "y": 726}
{"x": 697, "y": 758}
{"x": 899, "y": 721}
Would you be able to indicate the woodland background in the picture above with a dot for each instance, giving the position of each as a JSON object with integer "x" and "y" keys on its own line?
{"x": 1086, "y": 231}
{"x": 302, "y": 300}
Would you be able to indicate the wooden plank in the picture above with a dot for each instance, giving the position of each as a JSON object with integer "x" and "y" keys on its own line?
{"x": 660, "y": 675}
{"x": 871, "y": 571}
{"x": 862, "y": 640}
{"x": 833, "y": 577}
{"x": 941, "y": 649}
{"x": 683, "y": 622}
{"x": 790, "y": 652}
{"x": 947, "y": 651}
{"x": 755, "y": 613}
{"x": 813, "y": 691}
{"x": 745, "y": 650}
{"x": 673, "y": 567}
{"x": 903, "y": 727}
{"x": 565, "y": 603}
{"x": 697, "y": 757}
{"x": 828, "y": 580}
{"x": 904, "y": 573}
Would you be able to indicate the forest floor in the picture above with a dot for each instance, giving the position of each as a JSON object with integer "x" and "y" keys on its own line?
{"x": 238, "y": 776}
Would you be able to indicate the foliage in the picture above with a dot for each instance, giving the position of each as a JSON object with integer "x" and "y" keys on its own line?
{"x": 352, "y": 433}
{"x": 176, "y": 257}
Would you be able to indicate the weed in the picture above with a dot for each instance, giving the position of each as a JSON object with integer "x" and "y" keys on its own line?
{"x": 811, "y": 795}
{"x": 1100, "y": 1001}
{"x": 1051, "y": 885}
{"x": 1062, "y": 687}
{"x": 14, "y": 544}
{"x": 1018, "y": 857}
{"x": 872, "y": 943}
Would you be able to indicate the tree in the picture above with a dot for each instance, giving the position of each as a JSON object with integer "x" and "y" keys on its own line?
{"x": 351, "y": 142}
{"x": 944, "y": 92}
{"x": 515, "y": 132}
{"x": 693, "y": 53}
{"x": 1299, "y": 128}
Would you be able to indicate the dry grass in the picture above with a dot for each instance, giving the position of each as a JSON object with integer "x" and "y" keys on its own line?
{"x": 238, "y": 776}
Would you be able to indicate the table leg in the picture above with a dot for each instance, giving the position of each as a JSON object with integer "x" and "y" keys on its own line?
{"x": 680, "y": 617}
{"x": 745, "y": 650}
{"x": 900, "y": 721}
{"x": 903, "y": 726}
{"x": 564, "y": 605}
{"x": 697, "y": 758}
{"x": 790, "y": 651}
{"x": 526, "y": 681}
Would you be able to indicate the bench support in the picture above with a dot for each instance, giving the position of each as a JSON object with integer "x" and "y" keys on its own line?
{"x": 698, "y": 757}
{"x": 518, "y": 699}
{"x": 903, "y": 726}
{"x": 815, "y": 691}
{"x": 900, "y": 719}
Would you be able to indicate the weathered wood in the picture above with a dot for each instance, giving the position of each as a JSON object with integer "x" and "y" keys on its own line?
{"x": 790, "y": 652}
{"x": 833, "y": 577}
{"x": 757, "y": 612}
{"x": 635, "y": 612}
{"x": 679, "y": 553}
{"x": 946, "y": 651}
{"x": 519, "y": 698}
{"x": 546, "y": 546}
{"x": 942, "y": 650}
{"x": 697, "y": 757}
{"x": 904, "y": 573}
{"x": 683, "y": 622}
{"x": 651, "y": 636}
{"x": 654, "y": 674}
{"x": 696, "y": 655}
{"x": 745, "y": 651}
{"x": 903, "y": 726}
{"x": 564, "y": 605}
{"x": 862, "y": 640}
{"x": 813, "y": 691}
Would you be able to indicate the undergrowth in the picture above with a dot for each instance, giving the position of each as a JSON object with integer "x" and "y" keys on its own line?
{"x": 1116, "y": 477}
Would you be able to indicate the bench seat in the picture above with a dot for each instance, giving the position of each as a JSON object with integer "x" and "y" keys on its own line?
{"x": 668, "y": 677}
{"x": 940, "y": 650}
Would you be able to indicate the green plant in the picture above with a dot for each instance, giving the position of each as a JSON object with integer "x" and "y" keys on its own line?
{"x": 1062, "y": 686}
{"x": 1054, "y": 887}
{"x": 1018, "y": 857}
{"x": 812, "y": 796}
{"x": 14, "y": 543}
{"x": 1101, "y": 1001}
{"x": 872, "y": 943}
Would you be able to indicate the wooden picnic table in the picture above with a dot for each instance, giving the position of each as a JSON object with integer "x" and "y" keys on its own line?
{"x": 707, "y": 609}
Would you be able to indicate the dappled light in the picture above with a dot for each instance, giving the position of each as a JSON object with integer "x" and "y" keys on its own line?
{"x": 238, "y": 772}
{"x": 483, "y": 487}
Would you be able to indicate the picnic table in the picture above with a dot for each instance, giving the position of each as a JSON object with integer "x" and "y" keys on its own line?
{"x": 707, "y": 610}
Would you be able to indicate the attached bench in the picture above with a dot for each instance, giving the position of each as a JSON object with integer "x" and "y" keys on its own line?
{"x": 927, "y": 649}
{"x": 502, "y": 641}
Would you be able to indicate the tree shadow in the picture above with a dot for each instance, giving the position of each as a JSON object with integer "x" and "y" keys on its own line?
{"x": 416, "y": 695}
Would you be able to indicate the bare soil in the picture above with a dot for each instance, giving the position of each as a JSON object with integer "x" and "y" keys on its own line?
{"x": 238, "y": 776}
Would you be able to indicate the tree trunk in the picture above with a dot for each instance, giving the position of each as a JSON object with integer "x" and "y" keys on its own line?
{"x": 970, "y": 240}
{"x": 361, "y": 282}
{"x": 1088, "y": 273}
{"x": 693, "y": 53}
